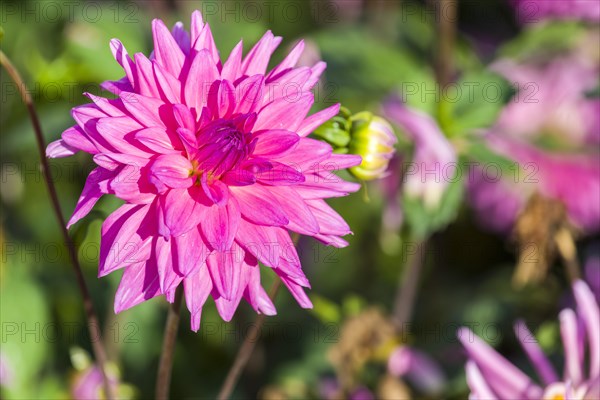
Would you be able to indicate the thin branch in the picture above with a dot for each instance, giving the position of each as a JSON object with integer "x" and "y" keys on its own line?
{"x": 165, "y": 366}
{"x": 245, "y": 351}
{"x": 92, "y": 319}
{"x": 408, "y": 285}
{"x": 446, "y": 15}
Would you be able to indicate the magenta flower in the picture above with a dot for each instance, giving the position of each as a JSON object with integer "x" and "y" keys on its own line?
{"x": 491, "y": 376}
{"x": 434, "y": 160}
{"x": 551, "y": 108}
{"x": 418, "y": 368}
{"x": 213, "y": 162}
{"x": 88, "y": 384}
{"x": 529, "y": 11}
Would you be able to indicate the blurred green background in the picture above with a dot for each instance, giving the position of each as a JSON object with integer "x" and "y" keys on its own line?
{"x": 371, "y": 48}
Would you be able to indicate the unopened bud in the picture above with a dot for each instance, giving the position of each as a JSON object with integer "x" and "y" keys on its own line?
{"x": 373, "y": 138}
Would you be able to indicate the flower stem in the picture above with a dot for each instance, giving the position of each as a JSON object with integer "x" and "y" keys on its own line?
{"x": 92, "y": 318}
{"x": 165, "y": 366}
{"x": 245, "y": 351}
{"x": 407, "y": 290}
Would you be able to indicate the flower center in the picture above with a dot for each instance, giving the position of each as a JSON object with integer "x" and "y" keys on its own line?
{"x": 222, "y": 147}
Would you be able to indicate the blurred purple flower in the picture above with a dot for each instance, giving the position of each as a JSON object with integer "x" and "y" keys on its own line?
{"x": 592, "y": 275}
{"x": 491, "y": 376}
{"x": 88, "y": 384}
{"x": 551, "y": 109}
{"x": 529, "y": 11}
{"x": 6, "y": 372}
{"x": 433, "y": 154}
{"x": 418, "y": 368}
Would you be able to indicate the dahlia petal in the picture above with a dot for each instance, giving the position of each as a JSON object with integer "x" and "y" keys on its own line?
{"x": 503, "y": 377}
{"x": 319, "y": 186}
{"x": 275, "y": 142}
{"x": 168, "y": 85}
{"x": 92, "y": 191}
{"x": 220, "y": 225}
{"x": 120, "y": 54}
{"x": 238, "y": 177}
{"x": 250, "y": 93}
{"x": 258, "y": 58}
{"x": 118, "y": 86}
{"x": 226, "y": 307}
{"x": 146, "y": 82}
{"x": 477, "y": 383}
{"x": 317, "y": 119}
{"x": 131, "y": 184}
{"x": 183, "y": 209}
{"x": 221, "y": 98}
{"x": 125, "y": 239}
{"x": 296, "y": 290}
{"x": 260, "y": 301}
{"x": 166, "y": 50}
{"x": 589, "y": 312}
{"x": 284, "y": 114}
{"x": 138, "y": 284}
{"x": 76, "y": 138}
{"x": 225, "y": 269}
{"x": 341, "y": 161}
{"x": 258, "y": 205}
{"x": 191, "y": 252}
{"x": 172, "y": 170}
{"x": 206, "y": 42}
{"x": 167, "y": 277}
{"x": 200, "y": 76}
{"x": 156, "y": 140}
{"x": 197, "y": 288}
{"x": 108, "y": 106}
{"x": 216, "y": 191}
{"x": 114, "y": 130}
{"x": 233, "y": 66}
{"x": 196, "y": 26}
{"x": 260, "y": 241}
{"x": 573, "y": 359}
{"x": 182, "y": 37}
{"x": 145, "y": 110}
{"x": 289, "y": 85}
{"x": 330, "y": 222}
{"x": 184, "y": 118}
{"x": 59, "y": 149}
{"x": 331, "y": 240}
{"x": 301, "y": 219}
{"x": 288, "y": 62}
{"x": 280, "y": 174}
{"x": 316, "y": 72}
{"x": 535, "y": 354}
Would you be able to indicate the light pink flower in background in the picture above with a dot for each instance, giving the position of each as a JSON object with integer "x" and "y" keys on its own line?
{"x": 212, "y": 159}
{"x": 550, "y": 112}
{"x": 89, "y": 384}
{"x": 491, "y": 376}
{"x": 418, "y": 368}
{"x": 530, "y": 11}
{"x": 7, "y": 374}
{"x": 433, "y": 154}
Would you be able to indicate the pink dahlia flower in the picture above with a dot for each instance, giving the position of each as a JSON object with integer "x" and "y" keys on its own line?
{"x": 213, "y": 162}
{"x": 552, "y": 130}
{"x": 536, "y": 10}
{"x": 491, "y": 376}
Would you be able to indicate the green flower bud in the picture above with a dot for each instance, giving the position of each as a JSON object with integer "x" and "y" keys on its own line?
{"x": 373, "y": 138}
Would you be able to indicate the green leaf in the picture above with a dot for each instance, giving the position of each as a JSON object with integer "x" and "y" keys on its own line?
{"x": 325, "y": 310}
{"x": 474, "y": 102}
{"x": 481, "y": 153}
{"x": 422, "y": 222}
{"x": 543, "y": 40}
